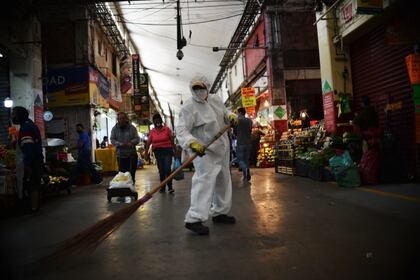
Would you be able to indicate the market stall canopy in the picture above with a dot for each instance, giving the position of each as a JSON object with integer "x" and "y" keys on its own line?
{"x": 205, "y": 24}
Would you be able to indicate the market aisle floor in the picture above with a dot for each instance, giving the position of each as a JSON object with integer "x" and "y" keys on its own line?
{"x": 288, "y": 228}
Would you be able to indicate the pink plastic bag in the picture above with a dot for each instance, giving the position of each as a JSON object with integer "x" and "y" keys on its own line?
{"x": 368, "y": 167}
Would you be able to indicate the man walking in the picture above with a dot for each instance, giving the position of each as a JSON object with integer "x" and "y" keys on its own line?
{"x": 243, "y": 142}
{"x": 124, "y": 136}
{"x": 84, "y": 158}
{"x": 30, "y": 144}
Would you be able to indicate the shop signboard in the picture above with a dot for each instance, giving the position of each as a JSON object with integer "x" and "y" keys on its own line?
{"x": 413, "y": 67}
{"x": 115, "y": 98}
{"x": 328, "y": 106}
{"x": 250, "y": 111}
{"x": 67, "y": 86}
{"x": 39, "y": 113}
{"x": 98, "y": 88}
{"x": 329, "y": 111}
{"x": 141, "y": 89}
{"x": 144, "y": 84}
{"x": 136, "y": 73}
{"x": 347, "y": 12}
{"x": 248, "y": 97}
{"x": 126, "y": 72}
{"x": 143, "y": 129}
{"x": 369, "y": 7}
{"x": 279, "y": 112}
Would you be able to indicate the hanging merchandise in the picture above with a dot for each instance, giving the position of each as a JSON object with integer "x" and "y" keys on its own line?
{"x": 343, "y": 105}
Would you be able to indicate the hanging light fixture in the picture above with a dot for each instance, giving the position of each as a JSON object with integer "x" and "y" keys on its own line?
{"x": 8, "y": 102}
{"x": 181, "y": 41}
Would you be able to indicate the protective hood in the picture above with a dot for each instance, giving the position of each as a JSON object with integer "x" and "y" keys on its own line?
{"x": 200, "y": 95}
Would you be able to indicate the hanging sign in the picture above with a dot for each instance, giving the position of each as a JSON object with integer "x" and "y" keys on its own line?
{"x": 413, "y": 67}
{"x": 279, "y": 112}
{"x": 136, "y": 73}
{"x": 126, "y": 71}
{"x": 329, "y": 111}
{"x": 250, "y": 111}
{"x": 248, "y": 97}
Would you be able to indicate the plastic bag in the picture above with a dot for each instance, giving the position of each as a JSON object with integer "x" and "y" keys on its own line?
{"x": 180, "y": 175}
{"x": 345, "y": 171}
{"x": 369, "y": 167}
{"x": 349, "y": 177}
{"x": 122, "y": 180}
{"x": 344, "y": 160}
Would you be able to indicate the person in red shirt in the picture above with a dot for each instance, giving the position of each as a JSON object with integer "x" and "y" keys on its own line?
{"x": 162, "y": 141}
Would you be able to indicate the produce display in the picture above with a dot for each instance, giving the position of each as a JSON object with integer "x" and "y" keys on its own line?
{"x": 7, "y": 157}
{"x": 55, "y": 184}
{"x": 266, "y": 155}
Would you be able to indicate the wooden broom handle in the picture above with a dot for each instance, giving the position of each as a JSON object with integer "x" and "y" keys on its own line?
{"x": 187, "y": 162}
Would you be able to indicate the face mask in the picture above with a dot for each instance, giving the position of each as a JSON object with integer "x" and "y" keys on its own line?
{"x": 201, "y": 93}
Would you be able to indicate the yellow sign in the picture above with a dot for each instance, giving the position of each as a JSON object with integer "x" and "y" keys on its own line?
{"x": 248, "y": 97}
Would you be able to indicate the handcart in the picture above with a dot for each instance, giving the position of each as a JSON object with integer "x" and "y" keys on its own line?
{"x": 121, "y": 192}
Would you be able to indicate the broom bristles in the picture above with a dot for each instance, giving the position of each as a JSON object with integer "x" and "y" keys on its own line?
{"x": 93, "y": 236}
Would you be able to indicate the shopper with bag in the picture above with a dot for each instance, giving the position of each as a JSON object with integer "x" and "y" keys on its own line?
{"x": 200, "y": 119}
{"x": 162, "y": 142}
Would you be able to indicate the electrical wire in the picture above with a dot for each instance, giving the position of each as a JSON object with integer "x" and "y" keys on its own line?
{"x": 169, "y": 38}
{"x": 181, "y": 2}
{"x": 173, "y": 24}
{"x": 192, "y": 7}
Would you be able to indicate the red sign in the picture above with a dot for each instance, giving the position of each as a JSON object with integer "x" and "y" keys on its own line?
{"x": 348, "y": 12}
{"x": 329, "y": 111}
{"x": 39, "y": 119}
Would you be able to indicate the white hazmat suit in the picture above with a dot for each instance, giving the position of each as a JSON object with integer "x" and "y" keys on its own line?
{"x": 199, "y": 121}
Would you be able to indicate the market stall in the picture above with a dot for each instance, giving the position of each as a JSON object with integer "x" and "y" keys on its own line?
{"x": 266, "y": 152}
{"x": 8, "y": 188}
{"x": 108, "y": 159}
{"x": 308, "y": 152}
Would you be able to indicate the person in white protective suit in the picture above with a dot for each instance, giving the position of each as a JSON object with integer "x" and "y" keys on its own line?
{"x": 200, "y": 119}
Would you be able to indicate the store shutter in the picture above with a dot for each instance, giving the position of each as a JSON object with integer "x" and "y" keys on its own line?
{"x": 4, "y": 92}
{"x": 379, "y": 71}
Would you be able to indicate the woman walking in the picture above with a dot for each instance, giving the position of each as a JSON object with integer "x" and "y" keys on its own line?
{"x": 162, "y": 141}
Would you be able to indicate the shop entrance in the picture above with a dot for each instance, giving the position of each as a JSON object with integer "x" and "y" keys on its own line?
{"x": 379, "y": 72}
{"x": 304, "y": 100}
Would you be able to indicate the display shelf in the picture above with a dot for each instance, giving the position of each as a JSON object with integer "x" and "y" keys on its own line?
{"x": 285, "y": 157}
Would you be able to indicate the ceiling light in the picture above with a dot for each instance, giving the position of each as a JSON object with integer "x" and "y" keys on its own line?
{"x": 8, "y": 103}
{"x": 179, "y": 54}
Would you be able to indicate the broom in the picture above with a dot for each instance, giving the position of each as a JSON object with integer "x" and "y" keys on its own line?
{"x": 90, "y": 238}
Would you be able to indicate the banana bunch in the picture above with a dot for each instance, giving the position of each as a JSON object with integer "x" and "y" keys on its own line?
{"x": 57, "y": 180}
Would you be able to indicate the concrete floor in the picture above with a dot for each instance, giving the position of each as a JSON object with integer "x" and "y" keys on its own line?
{"x": 287, "y": 228}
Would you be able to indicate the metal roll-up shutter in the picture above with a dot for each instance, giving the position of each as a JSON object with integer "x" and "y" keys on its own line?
{"x": 379, "y": 71}
{"x": 4, "y": 92}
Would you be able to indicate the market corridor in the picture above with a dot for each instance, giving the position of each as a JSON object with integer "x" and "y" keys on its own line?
{"x": 287, "y": 228}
